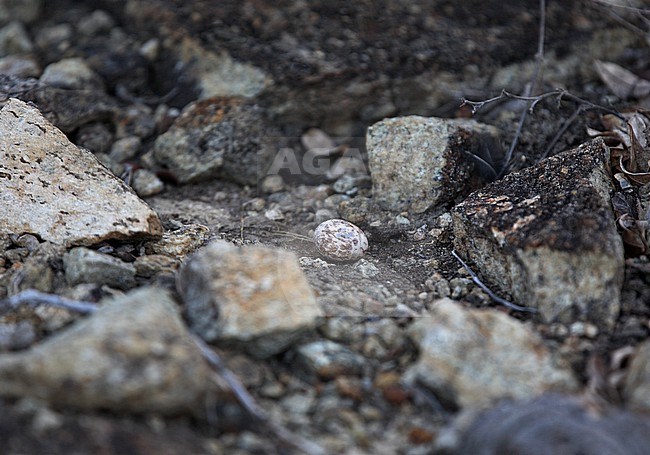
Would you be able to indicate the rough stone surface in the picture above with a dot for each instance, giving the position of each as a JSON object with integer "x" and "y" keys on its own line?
{"x": 257, "y": 296}
{"x": 547, "y": 236}
{"x": 470, "y": 358}
{"x": 83, "y": 265}
{"x": 145, "y": 183}
{"x": 66, "y": 109}
{"x": 59, "y": 192}
{"x": 180, "y": 242}
{"x": 637, "y": 383}
{"x": 417, "y": 163}
{"x": 217, "y": 137}
{"x": 133, "y": 354}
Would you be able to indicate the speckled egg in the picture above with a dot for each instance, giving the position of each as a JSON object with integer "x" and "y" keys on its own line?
{"x": 340, "y": 240}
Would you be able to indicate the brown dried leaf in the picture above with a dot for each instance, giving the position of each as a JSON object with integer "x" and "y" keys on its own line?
{"x": 633, "y": 237}
{"x": 641, "y": 178}
{"x": 621, "y": 82}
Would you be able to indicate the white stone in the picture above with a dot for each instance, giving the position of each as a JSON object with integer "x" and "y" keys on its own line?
{"x": 51, "y": 188}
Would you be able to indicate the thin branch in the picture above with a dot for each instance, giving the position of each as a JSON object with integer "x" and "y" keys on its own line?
{"x": 488, "y": 291}
{"x": 33, "y": 297}
{"x": 248, "y": 402}
{"x": 530, "y": 87}
{"x": 561, "y": 132}
{"x": 245, "y": 399}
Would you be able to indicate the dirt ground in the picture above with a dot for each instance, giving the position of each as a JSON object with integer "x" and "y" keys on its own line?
{"x": 341, "y": 66}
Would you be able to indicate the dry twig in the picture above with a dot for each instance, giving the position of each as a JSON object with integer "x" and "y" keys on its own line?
{"x": 488, "y": 291}
{"x": 245, "y": 399}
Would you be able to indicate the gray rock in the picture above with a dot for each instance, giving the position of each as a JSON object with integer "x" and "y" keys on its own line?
{"x": 470, "y": 358}
{"x": 134, "y": 354}
{"x": 59, "y": 192}
{"x": 16, "y": 335}
{"x": 146, "y": 183}
{"x": 214, "y": 73}
{"x": 20, "y": 10}
{"x": 96, "y": 23}
{"x": 328, "y": 359}
{"x": 88, "y": 266}
{"x": 547, "y": 236}
{"x": 637, "y": 383}
{"x": 417, "y": 163}
{"x": 125, "y": 148}
{"x": 19, "y": 66}
{"x": 152, "y": 264}
{"x": 71, "y": 73}
{"x": 14, "y": 39}
{"x": 254, "y": 296}
{"x": 217, "y": 137}
{"x": 66, "y": 109}
{"x": 96, "y": 137}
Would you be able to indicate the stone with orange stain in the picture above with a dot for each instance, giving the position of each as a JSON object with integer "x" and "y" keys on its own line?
{"x": 547, "y": 236}
{"x": 256, "y": 297}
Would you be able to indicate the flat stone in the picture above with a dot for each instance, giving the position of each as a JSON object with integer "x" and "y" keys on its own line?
{"x": 547, "y": 236}
{"x": 217, "y": 137}
{"x": 52, "y": 189}
{"x": 417, "y": 163}
{"x": 255, "y": 296}
{"x": 134, "y": 354}
{"x": 637, "y": 384}
{"x": 83, "y": 265}
{"x": 471, "y": 358}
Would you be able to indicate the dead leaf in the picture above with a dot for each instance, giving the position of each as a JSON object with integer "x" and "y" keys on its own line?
{"x": 641, "y": 178}
{"x": 633, "y": 235}
{"x": 621, "y": 82}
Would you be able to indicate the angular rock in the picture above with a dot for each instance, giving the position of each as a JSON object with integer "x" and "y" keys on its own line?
{"x": 547, "y": 236}
{"x": 83, "y": 265}
{"x": 66, "y": 109}
{"x": 254, "y": 296}
{"x": 417, "y": 163}
{"x": 637, "y": 384}
{"x": 134, "y": 354}
{"x": 217, "y": 137}
{"x": 470, "y": 358}
{"x": 52, "y": 189}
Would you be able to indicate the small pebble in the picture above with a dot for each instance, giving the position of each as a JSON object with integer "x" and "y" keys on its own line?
{"x": 340, "y": 240}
